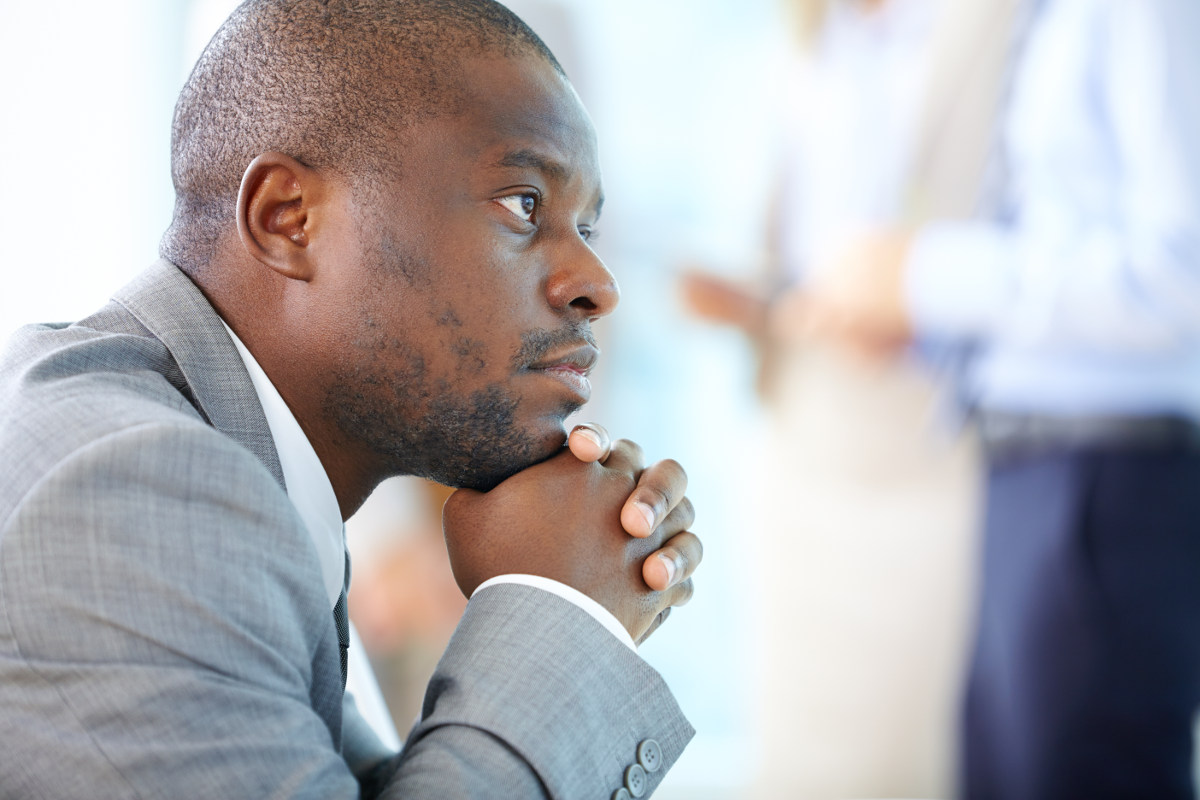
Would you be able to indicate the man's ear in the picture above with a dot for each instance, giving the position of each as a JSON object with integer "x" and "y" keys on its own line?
{"x": 277, "y": 202}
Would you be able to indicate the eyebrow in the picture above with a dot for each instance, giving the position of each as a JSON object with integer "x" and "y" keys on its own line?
{"x": 530, "y": 159}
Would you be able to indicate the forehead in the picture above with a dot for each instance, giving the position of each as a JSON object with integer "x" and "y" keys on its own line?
{"x": 520, "y": 112}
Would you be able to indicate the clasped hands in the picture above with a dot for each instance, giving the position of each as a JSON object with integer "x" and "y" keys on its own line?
{"x": 591, "y": 517}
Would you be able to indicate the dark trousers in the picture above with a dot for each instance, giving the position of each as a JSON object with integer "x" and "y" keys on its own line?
{"x": 1086, "y": 672}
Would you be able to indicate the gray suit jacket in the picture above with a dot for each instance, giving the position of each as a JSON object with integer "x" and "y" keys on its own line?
{"x": 163, "y": 627}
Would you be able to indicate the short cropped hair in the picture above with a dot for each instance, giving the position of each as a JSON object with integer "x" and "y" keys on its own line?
{"x": 331, "y": 83}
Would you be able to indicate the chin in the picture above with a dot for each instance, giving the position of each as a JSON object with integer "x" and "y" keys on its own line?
{"x": 550, "y": 438}
{"x": 492, "y": 462}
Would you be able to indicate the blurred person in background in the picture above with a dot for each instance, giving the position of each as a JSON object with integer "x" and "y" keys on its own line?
{"x": 1077, "y": 308}
{"x": 890, "y": 118}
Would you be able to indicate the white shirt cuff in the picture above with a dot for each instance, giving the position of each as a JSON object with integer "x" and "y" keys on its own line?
{"x": 597, "y": 611}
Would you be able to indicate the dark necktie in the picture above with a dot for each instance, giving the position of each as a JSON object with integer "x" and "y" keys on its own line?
{"x": 342, "y": 620}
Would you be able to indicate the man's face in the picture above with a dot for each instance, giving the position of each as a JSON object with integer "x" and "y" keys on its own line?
{"x": 470, "y": 340}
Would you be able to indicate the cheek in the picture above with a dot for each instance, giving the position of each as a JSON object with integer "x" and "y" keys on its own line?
{"x": 471, "y": 341}
{"x": 471, "y": 354}
{"x": 478, "y": 327}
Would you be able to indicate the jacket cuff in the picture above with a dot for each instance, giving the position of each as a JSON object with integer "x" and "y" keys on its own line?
{"x": 548, "y": 680}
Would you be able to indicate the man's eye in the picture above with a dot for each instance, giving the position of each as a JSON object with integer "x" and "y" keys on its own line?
{"x": 521, "y": 205}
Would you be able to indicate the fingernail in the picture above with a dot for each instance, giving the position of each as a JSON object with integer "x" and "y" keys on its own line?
{"x": 647, "y": 514}
{"x": 669, "y": 564}
{"x": 590, "y": 435}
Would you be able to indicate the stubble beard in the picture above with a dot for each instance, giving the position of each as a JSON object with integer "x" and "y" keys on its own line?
{"x": 417, "y": 424}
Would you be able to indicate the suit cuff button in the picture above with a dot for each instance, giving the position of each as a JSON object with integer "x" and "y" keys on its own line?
{"x": 621, "y": 794}
{"x": 649, "y": 755}
{"x": 635, "y": 780}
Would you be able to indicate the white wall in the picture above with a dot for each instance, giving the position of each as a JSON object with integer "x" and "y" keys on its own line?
{"x": 85, "y": 188}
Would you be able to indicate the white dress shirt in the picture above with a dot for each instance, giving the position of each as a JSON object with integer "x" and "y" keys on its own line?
{"x": 1086, "y": 299}
{"x": 310, "y": 490}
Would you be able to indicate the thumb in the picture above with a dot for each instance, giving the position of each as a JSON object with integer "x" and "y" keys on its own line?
{"x": 589, "y": 442}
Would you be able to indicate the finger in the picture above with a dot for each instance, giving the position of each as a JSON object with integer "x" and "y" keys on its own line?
{"x": 681, "y": 593}
{"x": 659, "y": 489}
{"x": 682, "y": 516}
{"x": 674, "y": 563}
{"x": 590, "y": 442}
{"x": 654, "y": 625}
{"x": 626, "y": 456}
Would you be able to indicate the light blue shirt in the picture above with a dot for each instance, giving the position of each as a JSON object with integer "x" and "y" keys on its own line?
{"x": 1086, "y": 300}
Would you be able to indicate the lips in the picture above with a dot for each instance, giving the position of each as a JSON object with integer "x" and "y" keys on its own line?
{"x": 579, "y": 359}
{"x": 570, "y": 369}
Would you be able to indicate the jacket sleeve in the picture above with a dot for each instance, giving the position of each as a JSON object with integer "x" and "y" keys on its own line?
{"x": 163, "y": 632}
{"x": 550, "y": 701}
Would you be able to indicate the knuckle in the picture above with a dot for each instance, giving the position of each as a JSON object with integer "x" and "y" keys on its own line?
{"x": 673, "y": 466}
{"x": 684, "y": 591}
{"x": 655, "y": 623}
{"x": 653, "y": 496}
{"x": 688, "y": 546}
{"x": 687, "y": 511}
{"x": 668, "y": 479}
{"x": 630, "y": 449}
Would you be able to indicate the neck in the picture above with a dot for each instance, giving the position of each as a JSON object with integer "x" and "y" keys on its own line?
{"x": 291, "y": 363}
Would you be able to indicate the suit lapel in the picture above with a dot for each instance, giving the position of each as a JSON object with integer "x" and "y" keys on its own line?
{"x": 173, "y": 309}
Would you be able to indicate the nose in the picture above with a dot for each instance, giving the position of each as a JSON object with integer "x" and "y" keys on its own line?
{"x": 580, "y": 284}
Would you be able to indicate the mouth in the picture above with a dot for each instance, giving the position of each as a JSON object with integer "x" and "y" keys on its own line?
{"x": 570, "y": 369}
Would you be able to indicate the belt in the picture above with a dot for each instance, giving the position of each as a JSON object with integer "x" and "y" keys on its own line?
{"x": 1007, "y": 435}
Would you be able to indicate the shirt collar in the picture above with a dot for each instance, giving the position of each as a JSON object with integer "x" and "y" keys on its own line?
{"x": 304, "y": 476}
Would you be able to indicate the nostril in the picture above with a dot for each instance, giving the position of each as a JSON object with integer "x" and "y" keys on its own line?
{"x": 582, "y": 286}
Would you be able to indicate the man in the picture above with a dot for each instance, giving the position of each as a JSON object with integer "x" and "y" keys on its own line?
{"x": 1080, "y": 310}
{"x": 378, "y": 265}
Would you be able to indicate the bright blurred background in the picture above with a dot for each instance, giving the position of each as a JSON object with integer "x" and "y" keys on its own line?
{"x": 820, "y": 656}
